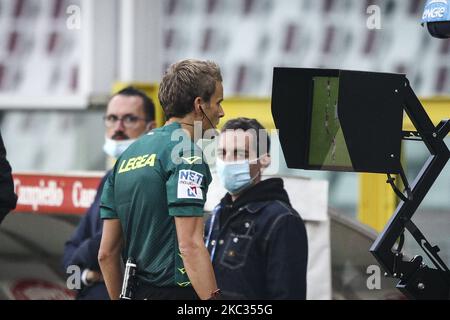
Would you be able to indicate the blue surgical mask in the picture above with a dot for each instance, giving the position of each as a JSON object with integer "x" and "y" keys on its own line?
{"x": 235, "y": 176}
{"x": 115, "y": 148}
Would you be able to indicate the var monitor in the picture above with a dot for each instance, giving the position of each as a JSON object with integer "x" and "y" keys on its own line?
{"x": 339, "y": 120}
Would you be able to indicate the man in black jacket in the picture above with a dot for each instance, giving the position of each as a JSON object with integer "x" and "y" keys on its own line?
{"x": 257, "y": 241}
{"x": 8, "y": 198}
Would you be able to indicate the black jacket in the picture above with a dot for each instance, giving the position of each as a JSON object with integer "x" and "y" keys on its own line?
{"x": 8, "y": 198}
{"x": 258, "y": 245}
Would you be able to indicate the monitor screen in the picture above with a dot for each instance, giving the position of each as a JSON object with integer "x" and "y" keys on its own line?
{"x": 327, "y": 146}
{"x": 339, "y": 120}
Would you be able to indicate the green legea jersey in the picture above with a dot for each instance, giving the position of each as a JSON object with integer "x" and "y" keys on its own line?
{"x": 161, "y": 176}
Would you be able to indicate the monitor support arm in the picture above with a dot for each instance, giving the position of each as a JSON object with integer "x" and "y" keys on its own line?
{"x": 417, "y": 280}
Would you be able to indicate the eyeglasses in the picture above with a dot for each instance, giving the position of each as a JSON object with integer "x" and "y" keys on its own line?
{"x": 129, "y": 121}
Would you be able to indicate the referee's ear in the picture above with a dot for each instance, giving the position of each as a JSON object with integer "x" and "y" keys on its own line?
{"x": 265, "y": 160}
{"x": 150, "y": 126}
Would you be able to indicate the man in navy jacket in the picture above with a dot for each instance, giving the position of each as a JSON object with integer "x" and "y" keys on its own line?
{"x": 257, "y": 241}
{"x": 130, "y": 114}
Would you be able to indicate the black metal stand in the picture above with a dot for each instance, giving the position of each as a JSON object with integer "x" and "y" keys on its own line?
{"x": 417, "y": 281}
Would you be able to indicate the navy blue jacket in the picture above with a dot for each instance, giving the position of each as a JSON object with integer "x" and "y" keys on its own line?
{"x": 82, "y": 248}
{"x": 258, "y": 245}
{"x": 8, "y": 198}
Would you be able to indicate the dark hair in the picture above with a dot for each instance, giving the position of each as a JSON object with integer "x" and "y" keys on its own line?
{"x": 149, "y": 106}
{"x": 246, "y": 124}
{"x": 183, "y": 82}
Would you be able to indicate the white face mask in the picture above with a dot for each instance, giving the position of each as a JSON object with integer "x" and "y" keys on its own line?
{"x": 115, "y": 148}
{"x": 235, "y": 176}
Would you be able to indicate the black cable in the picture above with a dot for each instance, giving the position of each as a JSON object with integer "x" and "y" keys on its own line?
{"x": 401, "y": 242}
{"x": 400, "y": 194}
{"x": 391, "y": 181}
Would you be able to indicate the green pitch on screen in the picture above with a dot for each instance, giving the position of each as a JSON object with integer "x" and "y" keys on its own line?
{"x": 327, "y": 145}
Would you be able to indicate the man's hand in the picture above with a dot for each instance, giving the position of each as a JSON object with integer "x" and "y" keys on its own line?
{"x": 89, "y": 277}
{"x": 94, "y": 276}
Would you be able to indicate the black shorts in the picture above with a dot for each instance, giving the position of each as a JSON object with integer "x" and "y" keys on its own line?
{"x": 148, "y": 292}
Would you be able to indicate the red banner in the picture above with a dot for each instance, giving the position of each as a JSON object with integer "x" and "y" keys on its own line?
{"x": 48, "y": 194}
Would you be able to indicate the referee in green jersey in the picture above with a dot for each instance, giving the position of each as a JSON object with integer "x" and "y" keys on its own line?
{"x": 152, "y": 203}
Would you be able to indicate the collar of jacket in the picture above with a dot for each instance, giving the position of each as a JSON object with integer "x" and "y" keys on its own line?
{"x": 254, "y": 206}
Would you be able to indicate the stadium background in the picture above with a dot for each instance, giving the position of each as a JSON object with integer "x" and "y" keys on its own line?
{"x": 60, "y": 59}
